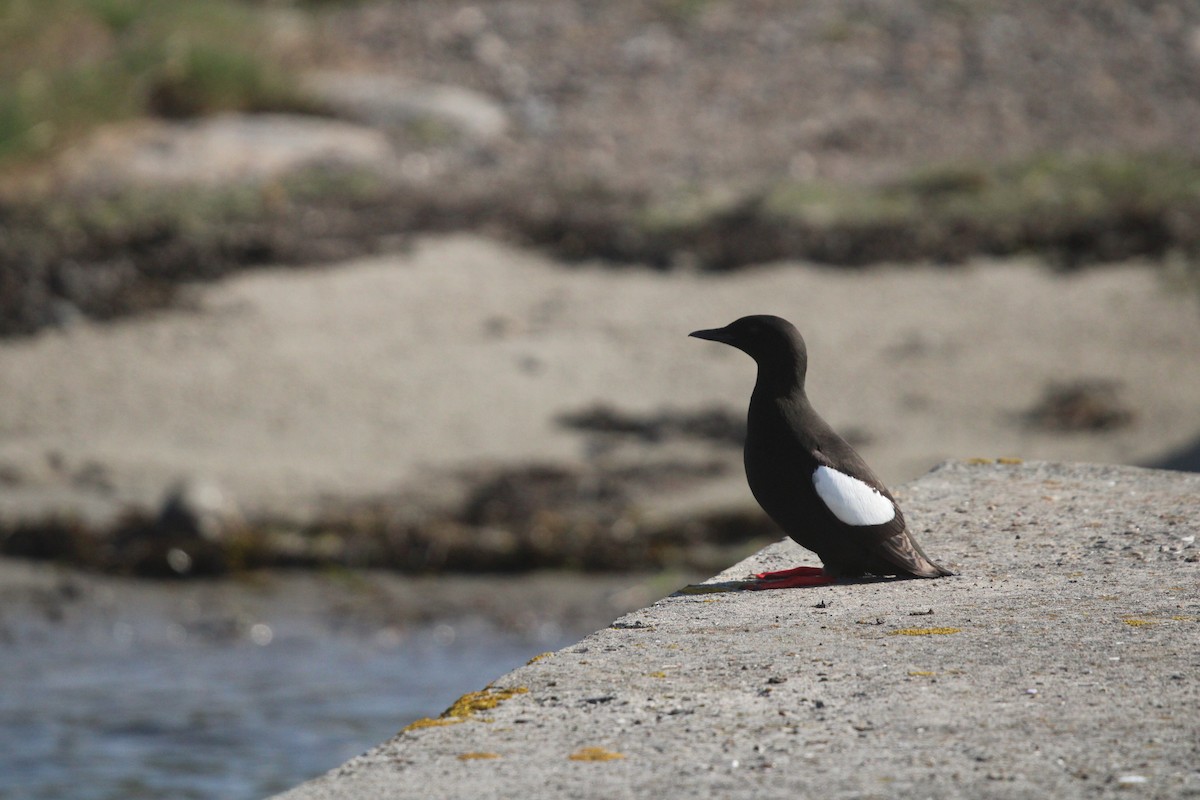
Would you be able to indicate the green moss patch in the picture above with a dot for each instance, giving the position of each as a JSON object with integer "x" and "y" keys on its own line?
{"x": 69, "y": 65}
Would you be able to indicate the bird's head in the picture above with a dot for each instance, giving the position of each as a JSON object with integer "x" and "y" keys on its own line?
{"x": 773, "y": 342}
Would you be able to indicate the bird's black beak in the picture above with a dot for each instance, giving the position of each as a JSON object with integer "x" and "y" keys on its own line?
{"x": 713, "y": 335}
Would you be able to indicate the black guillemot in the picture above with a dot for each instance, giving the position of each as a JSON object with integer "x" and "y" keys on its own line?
{"x": 807, "y": 478}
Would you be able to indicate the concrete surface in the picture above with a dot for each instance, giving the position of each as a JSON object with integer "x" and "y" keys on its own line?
{"x": 1062, "y": 661}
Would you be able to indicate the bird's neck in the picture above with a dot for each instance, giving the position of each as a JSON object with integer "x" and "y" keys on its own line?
{"x": 777, "y": 381}
{"x": 786, "y": 414}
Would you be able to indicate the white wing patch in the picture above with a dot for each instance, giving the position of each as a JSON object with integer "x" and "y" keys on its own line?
{"x": 851, "y": 500}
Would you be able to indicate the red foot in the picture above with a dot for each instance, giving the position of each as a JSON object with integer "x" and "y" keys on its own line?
{"x": 789, "y": 573}
{"x": 792, "y": 583}
{"x": 794, "y": 578}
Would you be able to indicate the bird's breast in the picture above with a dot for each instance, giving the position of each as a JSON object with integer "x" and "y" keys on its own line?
{"x": 778, "y": 469}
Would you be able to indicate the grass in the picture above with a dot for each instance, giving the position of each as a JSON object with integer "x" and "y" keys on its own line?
{"x": 1072, "y": 209}
{"x": 1005, "y": 199}
{"x": 109, "y": 254}
{"x": 1059, "y": 186}
{"x": 67, "y": 66}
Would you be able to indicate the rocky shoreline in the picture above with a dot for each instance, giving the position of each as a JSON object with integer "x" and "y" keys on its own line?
{"x": 518, "y": 520}
{"x": 724, "y": 159}
{"x": 470, "y": 407}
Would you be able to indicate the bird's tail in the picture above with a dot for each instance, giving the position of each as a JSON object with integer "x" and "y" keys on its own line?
{"x": 904, "y": 552}
{"x": 938, "y": 571}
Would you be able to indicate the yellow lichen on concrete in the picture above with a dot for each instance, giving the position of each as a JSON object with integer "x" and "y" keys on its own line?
{"x": 427, "y": 722}
{"x": 924, "y": 631}
{"x": 977, "y": 461}
{"x": 1138, "y": 623}
{"x": 538, "y": 658}
{"x": 659, "y": 674}
{"x": 484, "y": 700}
{"x": 594, "y": 754}
{"x": 1010, "y": 460}
{"x": 476, "y": 756}
{"x": 921, "y": 673}
{"x": 468, "y": 706}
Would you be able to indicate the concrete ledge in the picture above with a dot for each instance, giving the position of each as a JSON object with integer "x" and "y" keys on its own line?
{"x": 1063, "y": 661}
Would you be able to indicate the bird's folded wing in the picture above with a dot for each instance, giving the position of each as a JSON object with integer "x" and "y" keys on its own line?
{"x": 851, "y": 500}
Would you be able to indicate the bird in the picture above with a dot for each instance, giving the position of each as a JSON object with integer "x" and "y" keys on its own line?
{"x": 807, "y": 478}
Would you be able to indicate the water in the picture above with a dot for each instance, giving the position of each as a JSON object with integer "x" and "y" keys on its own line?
{"x": 153, "y": 709}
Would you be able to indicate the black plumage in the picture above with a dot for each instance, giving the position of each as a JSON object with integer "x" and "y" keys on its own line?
{"x": 806, "y": 477}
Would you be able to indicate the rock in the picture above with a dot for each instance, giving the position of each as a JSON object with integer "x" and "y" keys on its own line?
{"x": 651, "y": 49}
{"x": 390, "y": 101}
{"x": 199, "y": 508}
{"x": 1080, "y": 405}
{"x": 220, "y": 150}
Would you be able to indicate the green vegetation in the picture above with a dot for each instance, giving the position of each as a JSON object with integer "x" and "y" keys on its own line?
{"x": 111, "y": 254}
{"x": 1003, "y": 196}
{"x": 1074, "y": 210}
{"x": 69, "y": 65}
{"x": 108, "y": 254}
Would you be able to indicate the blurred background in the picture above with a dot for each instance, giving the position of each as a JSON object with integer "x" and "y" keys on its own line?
{"x": 343, "y": 356}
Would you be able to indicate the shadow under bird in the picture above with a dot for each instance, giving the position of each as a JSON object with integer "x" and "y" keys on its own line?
{"x": 807, "y": 478}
